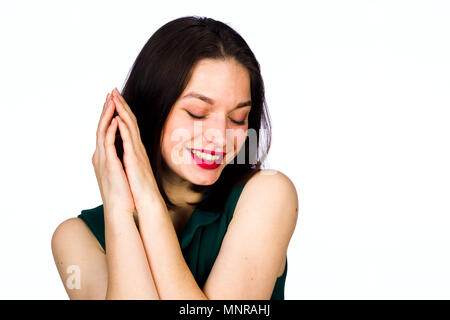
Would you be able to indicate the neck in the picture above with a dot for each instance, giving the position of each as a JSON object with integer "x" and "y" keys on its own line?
{"x": 179, "y": 193}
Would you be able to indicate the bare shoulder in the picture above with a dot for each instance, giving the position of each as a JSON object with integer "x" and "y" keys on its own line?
{"x": 80, "y": 260}
{"x": 273, "y": 188}
{"x": 68, "y": 226}
{"x": 269, "y": 200}
{"x": 72, "y": 231}
{"x": 254, "y": 248}
{"x": 266, "y": 177}
{"x": 66, "y": 232}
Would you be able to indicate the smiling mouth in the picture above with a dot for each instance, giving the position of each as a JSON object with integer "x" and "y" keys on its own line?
{"x": 207, "y": 158}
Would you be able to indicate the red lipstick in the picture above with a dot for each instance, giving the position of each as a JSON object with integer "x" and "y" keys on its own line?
{"x": 206, "y": 164}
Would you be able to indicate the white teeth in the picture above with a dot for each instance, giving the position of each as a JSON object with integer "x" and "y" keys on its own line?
{"x": 206, "y": 156}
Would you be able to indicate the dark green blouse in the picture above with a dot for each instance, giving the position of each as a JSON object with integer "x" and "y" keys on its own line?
{"x": 200, "y": 240}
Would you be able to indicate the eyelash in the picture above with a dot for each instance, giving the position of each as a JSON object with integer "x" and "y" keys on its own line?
{"x": 236, "y": 122}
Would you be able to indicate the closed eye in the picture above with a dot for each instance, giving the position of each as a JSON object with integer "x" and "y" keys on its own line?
{"x": 201, "y": 117}
{"x": 194, "y": 116}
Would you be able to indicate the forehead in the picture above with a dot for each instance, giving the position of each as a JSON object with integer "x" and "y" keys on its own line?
{"x": 224, "y": 81}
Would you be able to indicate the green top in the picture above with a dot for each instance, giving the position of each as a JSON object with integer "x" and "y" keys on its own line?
{"x": 200, "y": 240}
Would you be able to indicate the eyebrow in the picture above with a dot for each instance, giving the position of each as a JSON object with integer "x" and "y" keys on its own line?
{"x": 211, "y": 101}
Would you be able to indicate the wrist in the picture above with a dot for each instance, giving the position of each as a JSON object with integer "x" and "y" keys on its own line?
{"x": 118, "y": 226}
{"x": 117, "y": 215}
{"x": 152, "y": 202}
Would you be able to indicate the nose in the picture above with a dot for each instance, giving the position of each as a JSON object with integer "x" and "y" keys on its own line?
{"x": 215, "y": 132}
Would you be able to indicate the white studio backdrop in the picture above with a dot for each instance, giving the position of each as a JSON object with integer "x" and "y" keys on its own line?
{"x": 358, "y": 92}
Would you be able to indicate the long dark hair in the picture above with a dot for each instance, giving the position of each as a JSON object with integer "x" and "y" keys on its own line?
{"x": 159, "y": 76}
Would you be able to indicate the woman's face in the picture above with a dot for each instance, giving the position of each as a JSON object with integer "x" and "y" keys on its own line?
{"x": 218, "y": 92}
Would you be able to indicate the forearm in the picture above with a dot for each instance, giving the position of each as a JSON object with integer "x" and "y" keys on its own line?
{"x": 129, "y": 275}
{"x": 173, "y": 278}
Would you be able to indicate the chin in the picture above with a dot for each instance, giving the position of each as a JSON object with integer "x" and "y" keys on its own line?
{"x": 204, "y": 177}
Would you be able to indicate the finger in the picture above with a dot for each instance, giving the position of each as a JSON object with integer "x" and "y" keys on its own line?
{"x": 126, "y": 136}
{"x": 116, "y": 93}
{"x": 105, "y": 121}
{"x": 99, "y": 148}
{"x": 104, "y": 105}
{"x": 110, "y": 149}
{"x": 125, "y": 112}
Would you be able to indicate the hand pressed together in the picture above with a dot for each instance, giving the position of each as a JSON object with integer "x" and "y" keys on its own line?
{"x": 122, "y": 190}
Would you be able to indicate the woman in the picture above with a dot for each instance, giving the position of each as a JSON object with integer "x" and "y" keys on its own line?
{"x": 183, "y": 216}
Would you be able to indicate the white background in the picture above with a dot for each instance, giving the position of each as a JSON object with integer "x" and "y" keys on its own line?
{"x": 359, "y": 97}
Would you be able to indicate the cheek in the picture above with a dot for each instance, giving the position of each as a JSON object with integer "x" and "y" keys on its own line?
{"x": 241, "y": 135}
{"x": 175, "y": 139}
{"x": 236, "y": 140}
